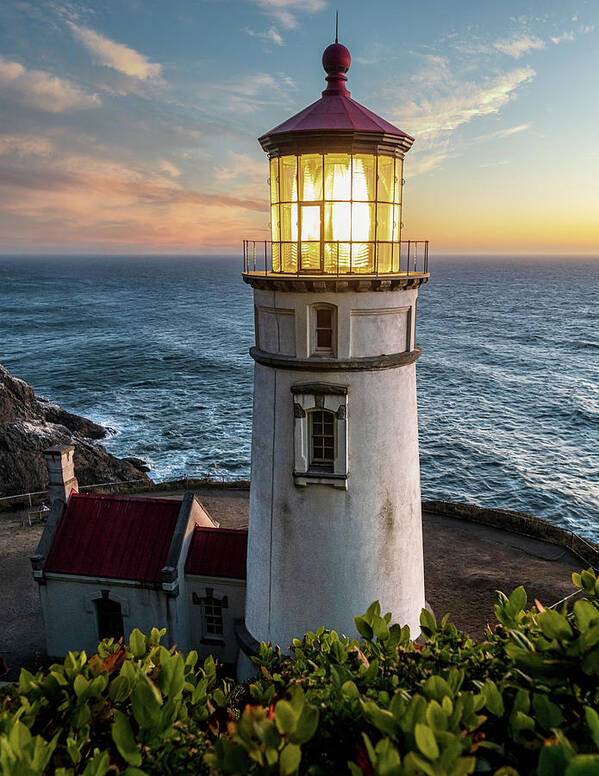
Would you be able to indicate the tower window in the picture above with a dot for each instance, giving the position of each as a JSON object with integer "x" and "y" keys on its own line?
{"x": 322, "y": 440}
{"x": 110, "y": 619}
{"x": 324, "y": 325}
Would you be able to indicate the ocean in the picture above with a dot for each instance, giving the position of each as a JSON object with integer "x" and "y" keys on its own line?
{"x": 156, "y": 349}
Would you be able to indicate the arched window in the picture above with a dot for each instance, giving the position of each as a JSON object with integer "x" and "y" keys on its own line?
{"x": 110, "y": 619}
{"x": 322, "y": 440}
{"x": 324, "y": 329}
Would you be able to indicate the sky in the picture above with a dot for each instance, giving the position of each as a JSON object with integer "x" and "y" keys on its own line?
{"x": 131, "y": 126}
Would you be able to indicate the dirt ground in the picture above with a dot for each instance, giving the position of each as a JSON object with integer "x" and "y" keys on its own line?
{"x": 464, "y": 565}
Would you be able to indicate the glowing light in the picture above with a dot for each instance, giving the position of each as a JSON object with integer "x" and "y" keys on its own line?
{"x": 335, "y": 213}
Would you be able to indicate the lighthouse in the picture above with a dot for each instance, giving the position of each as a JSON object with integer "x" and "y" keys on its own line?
{"x": 335, "y": 504}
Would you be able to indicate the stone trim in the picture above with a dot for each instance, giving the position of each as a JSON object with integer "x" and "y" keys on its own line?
{"x": 352, "y": 365}
{"x": 330, "y": 388}
{"x": 247, "y": 643}
{"x": 272, "y": 281}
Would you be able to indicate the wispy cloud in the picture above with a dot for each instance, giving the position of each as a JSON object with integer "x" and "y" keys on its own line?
{"x": 462, "y": 103}
{"x": 516, "y": 47}
{"x": 285, "y": 11}
{"x": 271, "y": 34}
{"x": 564, "y": 36}
{"x": 25, "y": 145}
{"x": 115, "y": 55}
{"x": 452, "y": 104}
{"x": 43, "y": 91}
{"x": 500, "y": 134}
{"x": 169, "y": 168}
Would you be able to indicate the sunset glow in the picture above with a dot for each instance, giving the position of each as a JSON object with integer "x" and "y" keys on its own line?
{"x": 131, "y": 128}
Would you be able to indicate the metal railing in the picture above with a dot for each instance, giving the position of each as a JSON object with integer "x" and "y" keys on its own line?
{"x": 410, "y": 257}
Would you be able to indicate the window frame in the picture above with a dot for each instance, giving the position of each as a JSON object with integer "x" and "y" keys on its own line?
{"x": 324, "y": 464}
{"x": 316, "y": 349}
{"x": 209, "y": 603}
{"x": 308, "y": 398}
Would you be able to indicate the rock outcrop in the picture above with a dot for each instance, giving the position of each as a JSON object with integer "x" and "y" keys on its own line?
{"x": 29, "y": 424}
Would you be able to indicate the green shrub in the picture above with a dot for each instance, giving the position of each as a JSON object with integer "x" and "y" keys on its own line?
{"x": 522, "y": 701}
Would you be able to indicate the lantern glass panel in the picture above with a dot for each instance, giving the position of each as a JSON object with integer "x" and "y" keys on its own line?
{"x": 384, "y": 257}
{"x": 396, "y": 223}
{"x": 362, "y": 221}
{"x": 337, "y": 258}
{"x": 288, "y": 257}
{"x": 274, "y": 180}
{"x": 337, "y": 176}
{"x": 398, "y": 179}
{"x": 288, "y": 178}
{"x": 276, "y": 257}
{"x": 311, "y": 177}
{"x": 386, "y": 179}
{"x": 337, "y": 221}
{"x": 362, "y": 257}
{"x": 384, "y": 225}
{"x": 311, "y": 222}
{"x": 288, "y": 222}
{"x": 274, "y": 223}
{"x": 310, "y": 256}
{"x": 363, "y": 177}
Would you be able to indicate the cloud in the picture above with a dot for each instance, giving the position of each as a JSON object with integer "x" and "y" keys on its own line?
{"x": 25, "y": 145}
{"x": 462, "y": 103}
{"x": 169, "y": 168}
{"x": 518, "y": 46}
{"x": 502, "y": 133}
{"x": 242, "y": 166}
{"x": 564, "y": 36}
{"x": 43, "y": 91}
{"x": 284, "y": 11}
{"x": 115, "y": 55}
{"x": 92, "y": 203}
{"x": 271, "y": 34}
{"x": 452, "y": 104}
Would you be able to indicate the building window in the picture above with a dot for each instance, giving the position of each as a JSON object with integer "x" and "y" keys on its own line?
{"x": 110, "y": 619}
{"x": 322, "y": 440}
{"x": 320, "y": 434}
{"x": 324, "y": 330}
{"x": 212, "y": 615}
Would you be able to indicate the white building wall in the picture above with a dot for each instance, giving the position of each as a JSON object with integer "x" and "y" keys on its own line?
{"x": 234, "y": 590}
{"x": 319, "y": 555}
{"x": 70, "y": 613}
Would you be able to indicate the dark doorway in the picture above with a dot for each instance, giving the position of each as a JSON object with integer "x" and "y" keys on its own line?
{"x": 110, "y": 619}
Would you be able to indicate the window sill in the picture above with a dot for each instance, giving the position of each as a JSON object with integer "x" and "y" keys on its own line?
{"x": 214, "y": 642}
{"x": 302, "y": 479}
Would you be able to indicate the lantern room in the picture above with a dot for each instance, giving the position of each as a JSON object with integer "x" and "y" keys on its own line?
{"x": 336, "y": 180}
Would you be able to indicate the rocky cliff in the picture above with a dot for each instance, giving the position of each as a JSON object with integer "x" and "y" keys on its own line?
{"x": 29, "y": 424}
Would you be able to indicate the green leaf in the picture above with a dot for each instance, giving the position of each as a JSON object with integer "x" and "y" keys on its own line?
{"x": 494, "y": 699}
{"x": 546, "y": 712}
{"x": 289, "y": 760}
{"x": 426, "y": 741}
{"x": 428, "y": 623}
{"x": 137, "y": 643}
{"x": 592, "y": 720}
{"x": 554, "y": 625}
{"x": 552, "y": 761}
{"x": 285, "y": 717}
{"x": 119, "y": 689}
{"x": 122, "y": 735}
{"x": 583, "y": 765}
{"x": 436, "y": 687}
{"x": 585, "y": 614}
{"x": 80, "y": 685}
{"x": 363, "y": 628}
{"x": 306, "y": 726}
{"x": 382, "y": 719}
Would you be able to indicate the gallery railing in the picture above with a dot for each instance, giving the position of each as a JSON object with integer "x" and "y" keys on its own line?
{"x": 408, "y": 257}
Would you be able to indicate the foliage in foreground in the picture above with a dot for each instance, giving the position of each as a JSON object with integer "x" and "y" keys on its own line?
{"x": 523, "y": 701}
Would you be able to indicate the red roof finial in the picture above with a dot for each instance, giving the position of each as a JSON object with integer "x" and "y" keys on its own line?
{"x": 336, "y": 61}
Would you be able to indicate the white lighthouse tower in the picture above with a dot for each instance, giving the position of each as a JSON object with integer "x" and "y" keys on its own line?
{"x": 335, "y": 508}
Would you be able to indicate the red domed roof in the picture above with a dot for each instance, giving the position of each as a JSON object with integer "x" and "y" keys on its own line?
{"x": 336, "y": 111}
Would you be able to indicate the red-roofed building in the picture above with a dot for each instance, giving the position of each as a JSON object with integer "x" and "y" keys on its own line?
{"x": 109, "y": 563}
